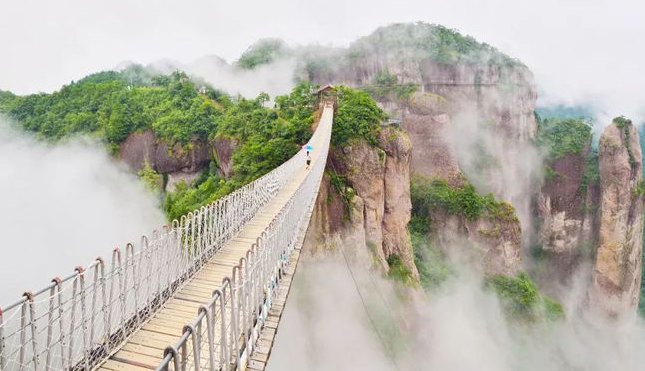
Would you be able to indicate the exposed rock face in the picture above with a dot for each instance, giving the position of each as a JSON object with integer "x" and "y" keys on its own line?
{"x": 487, "y": 132}
{"x": 427, "y": 123}
{"x": 397, "y": 204}
{"x": 505, "y": 94}
{"x": 617, "y": 271}
{"x": 377, "y": 218}
{"x": 178, "y": 177}
{"x": 189, "y": 158}
{"x": 568, "y": 214}
{"x": 333, "y": 226}
{"x": 144, "y": 146}
{"x": 492, "y": 244}
{"x": 224, "y": 148}
{"x": 138, "y": 148}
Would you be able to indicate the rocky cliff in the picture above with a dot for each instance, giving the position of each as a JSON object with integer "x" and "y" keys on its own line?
{"x": 364, "y": 202}
{"x": 468, "y": 112}
{"x": 617, "y": 271}
{"x": 568, "y": 212}
{"x": 490, "y": 244}
{"x": 179, "y": 162}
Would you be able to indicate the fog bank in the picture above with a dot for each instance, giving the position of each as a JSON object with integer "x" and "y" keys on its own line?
{"x": 62, "y": 206}
{"x": 459, "y": 327}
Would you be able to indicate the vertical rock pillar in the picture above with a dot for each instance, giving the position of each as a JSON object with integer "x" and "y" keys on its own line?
{"x": 617, "y": 271}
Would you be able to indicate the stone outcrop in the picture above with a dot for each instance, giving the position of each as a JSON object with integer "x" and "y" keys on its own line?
{"x": 163, "y": 157}
{"x": 491, "y": 244}
{"x": 481, "y": 124}
{"x": 427, "y": 124}
{"x": 616, "y": 276}
{"x": 224, "y": 148}
{"x": 568, "y": 212}
{"x": 397, "y": 204}
{"x": 374, "y": 222}
{"x": 190, "y": 158}
{"x": 138, "y": 148}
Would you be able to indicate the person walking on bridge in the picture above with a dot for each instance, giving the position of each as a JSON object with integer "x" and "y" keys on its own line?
{"x": 308, "y": 147}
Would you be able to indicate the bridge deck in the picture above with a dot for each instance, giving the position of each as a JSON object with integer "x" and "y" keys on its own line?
{"x": 144, "y": 349}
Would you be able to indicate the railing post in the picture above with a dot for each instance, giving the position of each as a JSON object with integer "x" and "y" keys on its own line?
{"x": 86, "y": 346}
{"x": 34, "y": 331}
{"x": 130, "y": 258}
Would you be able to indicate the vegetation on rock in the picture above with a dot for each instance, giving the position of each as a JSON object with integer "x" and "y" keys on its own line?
{"x": 624, "y": 125}
{"x": 427, "y": 193}
{"x": 428, "y": 41}
{"x": 341, "y": 186}
{"x": 398, "y": 270}
{"x": 268, "y": 137}
{"x": 110, "y": 105}
{"x": 521, "y": 299}
{"x": 262, "y": 52}
{"x": 151, "y": 179}
{"x": 357, "y": 117}
{"x": 385, "y": 86}
{"x": 560, "y": 137}
{"x": 430, "y": 261}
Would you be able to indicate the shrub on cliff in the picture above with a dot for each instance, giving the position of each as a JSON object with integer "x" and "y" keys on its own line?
{"x": 427, "y": 193}
{"x": 357, "y": 116}
{"x": 521, "y": 299}
{"x": 560, "y": 137}
{"x": 262, "y": 52}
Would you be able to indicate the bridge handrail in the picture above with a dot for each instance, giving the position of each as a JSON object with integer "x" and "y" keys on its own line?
{"x": 78, "y": 320}
{"x": 250, "y": 288}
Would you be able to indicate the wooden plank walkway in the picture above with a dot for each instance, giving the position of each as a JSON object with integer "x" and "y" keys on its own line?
{"x": 144, "y": 349}
{"x": 262, "y": 353}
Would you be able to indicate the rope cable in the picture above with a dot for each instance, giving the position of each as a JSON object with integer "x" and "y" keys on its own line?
{"x": 391, "y": 354}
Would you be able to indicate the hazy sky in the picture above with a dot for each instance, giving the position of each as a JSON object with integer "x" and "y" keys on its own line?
{"x": 578, "y": 49}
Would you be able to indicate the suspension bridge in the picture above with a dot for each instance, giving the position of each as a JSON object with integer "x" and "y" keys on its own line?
{"x": 204, "y": 293}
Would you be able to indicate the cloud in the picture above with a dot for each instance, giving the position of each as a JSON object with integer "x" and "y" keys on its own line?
{"x": 460, "y": 326}
{"x": 580, "y": 51}
{"x": 62, "y": 206}
{"x": 274, "y": 78}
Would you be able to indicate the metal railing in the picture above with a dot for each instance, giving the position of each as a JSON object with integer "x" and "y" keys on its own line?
{"x": 79, "y": 320}
{"x": 222, "y": 336}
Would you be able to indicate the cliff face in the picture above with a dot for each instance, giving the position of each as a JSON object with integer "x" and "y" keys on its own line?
{"x": 473, "y": 117}
{"x": 180, "y": 162}
{"x": 490, "y": 244}
{"x": 567, "y": 207}
{"x": 502, "y": 94}
{"x": 617, "y": 270}
{"x": 428, "y": 124}
{"x": 373, "y": 220}
{"x": 162, "y": 156}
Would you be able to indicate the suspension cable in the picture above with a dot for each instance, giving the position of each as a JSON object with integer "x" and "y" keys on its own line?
{"x": 390, "y": 349}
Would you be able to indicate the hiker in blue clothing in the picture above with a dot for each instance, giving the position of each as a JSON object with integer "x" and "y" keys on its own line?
{"x": 308, "y": 147}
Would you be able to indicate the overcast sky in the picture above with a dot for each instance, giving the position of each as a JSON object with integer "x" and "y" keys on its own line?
{"x": 579, "y": 50}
